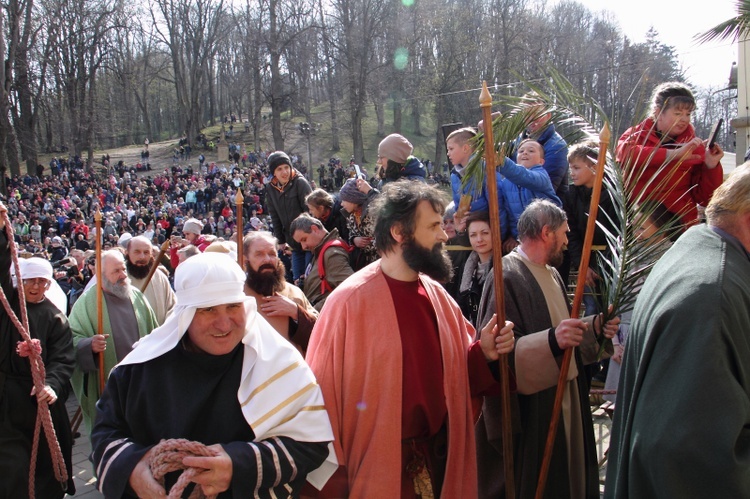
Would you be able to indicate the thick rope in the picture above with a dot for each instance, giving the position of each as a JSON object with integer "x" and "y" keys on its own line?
{"x": 32, "y": 349}
{"x": 167, "y": 456}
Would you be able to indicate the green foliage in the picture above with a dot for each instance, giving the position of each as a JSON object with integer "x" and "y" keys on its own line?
{"x": 629, "y": 258}
{"x": 731, "y": 29}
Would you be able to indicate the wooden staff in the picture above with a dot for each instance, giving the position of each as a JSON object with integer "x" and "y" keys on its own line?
{"x": 485, "y": 101}
{"x": 99, "y": 296}
{"x": 162, "y": 250}
{"x": 238, "y": 200}
{"x": 604, "y": 138}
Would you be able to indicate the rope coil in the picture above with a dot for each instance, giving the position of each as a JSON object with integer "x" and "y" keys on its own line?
{"x": 32, "y": 349}
{"x": 167, "y": 455}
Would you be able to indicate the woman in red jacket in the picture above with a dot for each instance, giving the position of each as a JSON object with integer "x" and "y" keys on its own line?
{"x": 665, "y": 160}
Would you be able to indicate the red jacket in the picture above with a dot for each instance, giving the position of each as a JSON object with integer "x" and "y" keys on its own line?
{"x": 679, "y": 185}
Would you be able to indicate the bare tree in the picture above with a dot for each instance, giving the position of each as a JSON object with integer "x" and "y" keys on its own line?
{"x": 358, "y": 25}
{"x": 191, "y": 30}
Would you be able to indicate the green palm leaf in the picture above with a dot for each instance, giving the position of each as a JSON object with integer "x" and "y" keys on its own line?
{"x": 731, "y": 29}
{"x": 628, "y": 259}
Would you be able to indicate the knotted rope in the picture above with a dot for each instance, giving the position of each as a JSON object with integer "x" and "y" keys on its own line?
{"x": 32, "y": 349}
{"x": 167, "y": 456}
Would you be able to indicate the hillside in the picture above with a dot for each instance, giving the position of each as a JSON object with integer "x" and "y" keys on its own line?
{"x": 160, "y": 153}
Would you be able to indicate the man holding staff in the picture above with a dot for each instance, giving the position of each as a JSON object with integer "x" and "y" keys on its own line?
{"x": 536, "y": 302}
{"x": 127, "y": 317}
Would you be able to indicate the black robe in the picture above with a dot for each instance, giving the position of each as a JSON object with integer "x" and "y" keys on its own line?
{"x": 17, "y": 408}
{"x": 197, "y": 400}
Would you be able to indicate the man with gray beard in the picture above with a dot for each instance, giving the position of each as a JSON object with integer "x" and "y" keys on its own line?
{"x": 158, "y": 293}
{"x": 127, "y": 317}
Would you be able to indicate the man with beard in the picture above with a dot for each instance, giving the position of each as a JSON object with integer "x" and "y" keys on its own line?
{"x": 284, "y": 306}
{"x": 127, "y": 317}
{"x": 326, "y": 248}
{"x": 158, "y": 293}
{"x": 536, "y": 302}
{"x": 396, "y": 363}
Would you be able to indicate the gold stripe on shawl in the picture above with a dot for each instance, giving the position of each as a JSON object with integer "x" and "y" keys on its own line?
{"x": 270, "y": 380}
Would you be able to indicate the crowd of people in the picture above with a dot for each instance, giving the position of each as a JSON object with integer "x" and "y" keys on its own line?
{"x": 347, "y": 353}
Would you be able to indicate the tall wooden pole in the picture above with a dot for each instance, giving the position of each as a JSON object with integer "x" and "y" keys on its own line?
{"x": 99, "y": 296}
{"x": 588, "y": 240}
{"x": 485, "y": 101}
{"x": 239, "y": 199}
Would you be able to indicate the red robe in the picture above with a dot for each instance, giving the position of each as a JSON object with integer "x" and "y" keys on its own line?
{"x": 355, "y": 353}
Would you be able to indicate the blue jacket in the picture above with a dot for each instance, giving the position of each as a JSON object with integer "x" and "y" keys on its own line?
{"x": 480, "y": 202}
{"x": 555, "y": 157}
{"x": 413, "y": 169}
{"x": 520, "y": 187}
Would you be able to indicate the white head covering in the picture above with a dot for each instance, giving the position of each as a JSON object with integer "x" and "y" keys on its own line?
{"x": 34, "y": 268}
{"x": 205, "y": 280}
{"x": 278, "y": 393}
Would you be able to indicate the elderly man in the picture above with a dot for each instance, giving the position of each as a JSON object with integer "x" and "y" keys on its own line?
{"x": 215, "y": 373}
{"x": 536, "y": 302}
{"x": 683, "y": 407}
{"x": 18, "y": 397}
{"x": 394, "y": 358}
{"x": 158, "y": 293}
{"x": 330, "y": 263}
{"x": 283, "y": 305}
{"x": 127, "y": 317}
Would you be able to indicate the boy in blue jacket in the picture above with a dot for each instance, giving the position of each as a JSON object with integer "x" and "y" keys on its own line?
{"x": 459, "y": 152}
{"x": 524, "y": 181}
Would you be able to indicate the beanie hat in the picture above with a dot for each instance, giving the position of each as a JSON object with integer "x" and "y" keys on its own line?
{"x": 56, "y": 240}
{"x": 276, "y": 159}
{"x": 124, "y": 239}
{"x": 192, "y": 225}
{"x": 396, "y": 148}
{"x": 350, "y": 193}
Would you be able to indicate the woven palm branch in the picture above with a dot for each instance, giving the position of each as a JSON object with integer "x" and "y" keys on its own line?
{"x": 628, "y": 259}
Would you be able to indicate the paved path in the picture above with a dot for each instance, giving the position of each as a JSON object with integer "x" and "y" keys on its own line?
{"x": 83, "y": 474}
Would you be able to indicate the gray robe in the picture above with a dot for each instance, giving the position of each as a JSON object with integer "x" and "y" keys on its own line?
{"x": 526, "y": 307}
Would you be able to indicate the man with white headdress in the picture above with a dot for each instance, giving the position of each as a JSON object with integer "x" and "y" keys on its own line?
{"x": 126, "y": 317}
{"x": 18, "y": 398}
{"x": 217, "y": 373}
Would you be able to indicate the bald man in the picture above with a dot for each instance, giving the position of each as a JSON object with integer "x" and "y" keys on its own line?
{"x": 139, "y": 258}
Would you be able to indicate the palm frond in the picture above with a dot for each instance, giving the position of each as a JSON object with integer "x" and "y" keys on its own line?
{"x": 731, "y": 29}
{"x": 628, "y": 259}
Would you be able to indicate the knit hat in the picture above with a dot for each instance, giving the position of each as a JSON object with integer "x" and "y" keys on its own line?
{"x": 124, "y": 239}
{"x": 192, "y": 225}
{"x": 276, "y": 159}
{"x": 350, "y": 193}
{"x": 396, "y": 148}
{"x": 57, "y": 240}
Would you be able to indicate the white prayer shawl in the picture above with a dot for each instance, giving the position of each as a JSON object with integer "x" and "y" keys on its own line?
{"x": 278, "y": 393}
